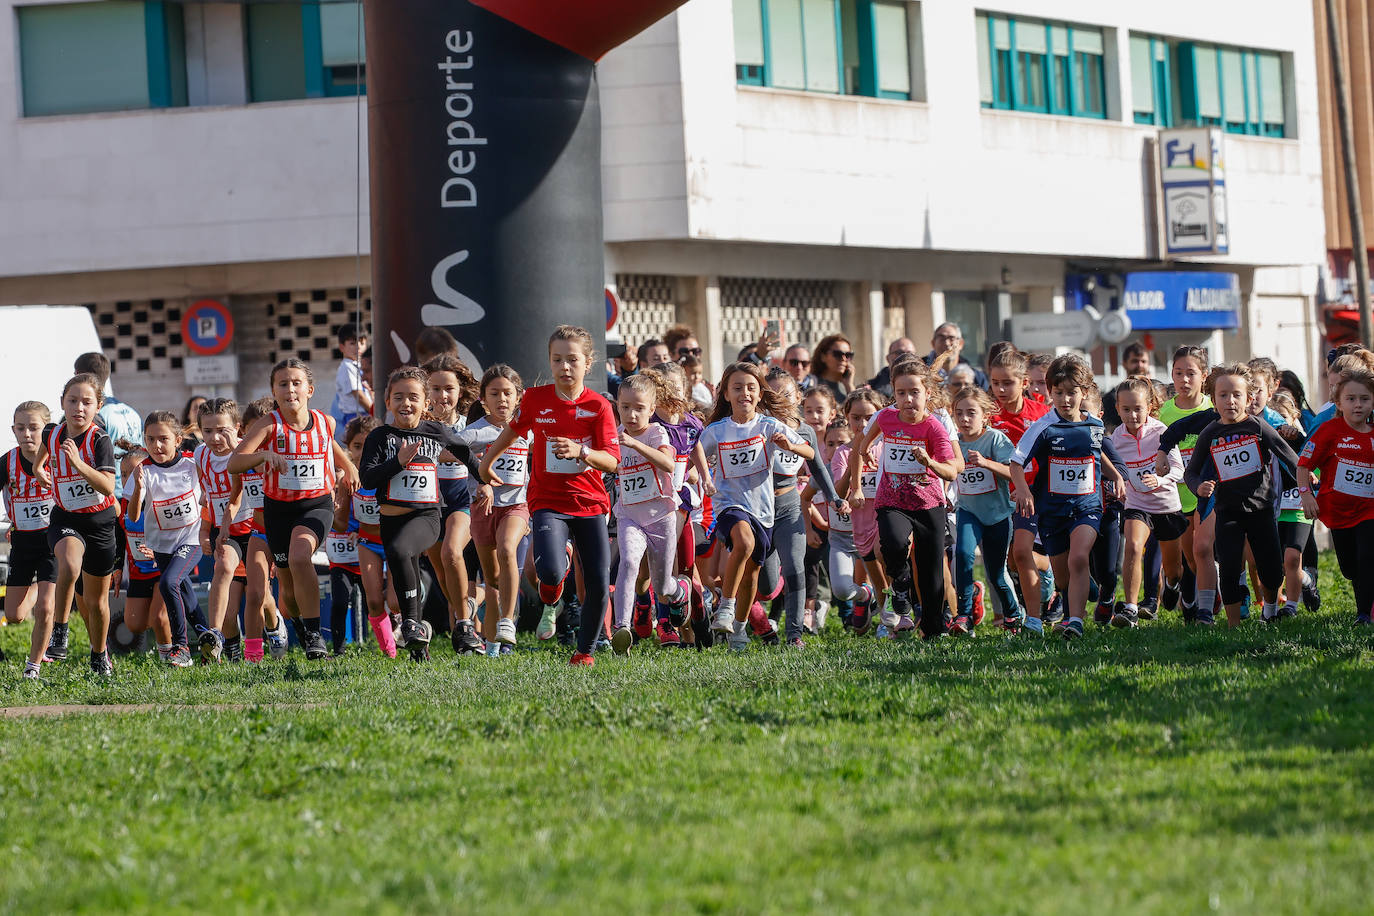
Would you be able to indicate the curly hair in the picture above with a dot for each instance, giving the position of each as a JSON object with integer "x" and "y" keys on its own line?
{"x": 930, "y": 381}
{"x": 468, "y": 389}
{"x": 770, "y": 402}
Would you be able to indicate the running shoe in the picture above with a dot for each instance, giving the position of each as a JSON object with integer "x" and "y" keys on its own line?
{"x": 582, "y": 660}
{"x": 905, "y": 624}
{"x": 211, "y": 644}
{"x": 723, "y": 620}
{"x": 862, "y": 618}
{"x": 643, "y": 619}
{"x": 1059, "y": 626}
{"x": 1148, "y": 609}
{"x": 809, "y": 621}
{"x": 164, "y": 654}
{"x": 1244, "y": 603}
{"x": 1013, "y": 623}
{"x": 1205, "y": 620}
{"x": 505, "y": 632}
{"x": 1311, "y": 598}
{"x": 1288, "y": 610}
{"x": 677, "y": 610}
{"x": 315, "y": 649}
{"x": 1071, "y": 630}
{"x": 979, "y": 610}
{"x": 1188, "y": 612}
{"x": 621, "y": 641}
{"x": 796, "y": 643}
{"x": 277, "y": 641}
{"x": 667, "y": 634}
{"x": 1168, "y": 597}
{"x": 548, "y": 623}
{"x": 1102, "y": 614}
{"x": 819, "y": 615}
{"x": 961, "y": 626}
{"x": 883, "y": 631}
{"x": 1055, "y": 612}
{"x": 57, "y": 648}
{"x": 889, "y": 614}
{"x": 761, "y": 624}
{"x": 465, "y": 639}
{"x": 101, "y": 664}
{"x": 179, "y": 657}
{"x": 30, "y": 672}
{"x": 1125, "y": 617}
{"x": 738, "y": 639}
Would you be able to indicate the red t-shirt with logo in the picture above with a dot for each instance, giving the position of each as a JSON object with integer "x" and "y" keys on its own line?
{"x": 566, "y": 485}
{"x": 1014, "y": 425}
{"x": 1345, "y": 461}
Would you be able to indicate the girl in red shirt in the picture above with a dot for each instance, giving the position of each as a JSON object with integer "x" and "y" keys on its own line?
{"x": 1341, "y": 451}
{"x": 574, "y": 443}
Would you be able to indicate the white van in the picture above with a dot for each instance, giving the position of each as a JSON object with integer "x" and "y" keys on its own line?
{"x": 38, "y": 344}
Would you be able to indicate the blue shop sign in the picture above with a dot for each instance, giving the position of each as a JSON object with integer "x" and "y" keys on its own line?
{"x": 1169, "y": 300}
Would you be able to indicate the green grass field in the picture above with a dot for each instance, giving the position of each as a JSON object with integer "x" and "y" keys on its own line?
{"x": 1164, "y": 770}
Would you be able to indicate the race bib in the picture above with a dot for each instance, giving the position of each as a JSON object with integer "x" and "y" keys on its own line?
{"x": 787, "y": 464}
{"x": 1355, "y": 478}
{"x": 976, "y": 481}
{"x": 638, "y": 484}
{"x": 555, "y": 465}
{"x": 1290, "y": 499}
{"x": 136, "y": 544}
{"x": 417, "y": 483}
{"x": 252, "y": 491}
{"x": 31, "y": 513}
{"x": 303, "y": 473}
{"x": 899, "y": 455}
{"x": 453, "y": 471}
{"x": 365, "y": 510}
{"x": 841, "y": 522}
{"x": 512, "y": 465}
{"x": 221, "y": 503}
{"x": 1187, "y": 454}
{"x": 1073, "y": 476}
{"x": 342, "y": 548}
{"x": 176, "y": 513}
{"x": 679, "y": 472}
{"x": 744, "y": 458}
{"x": 868, "y": 483}
{"x": 1237, "y": 459}
{"x": 76, "y": 493}
{"x": 1139, "y": 470}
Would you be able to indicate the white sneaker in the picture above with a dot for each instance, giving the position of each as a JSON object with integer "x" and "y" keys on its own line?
{"x": 724, "y": 619}
{"x": 820, "y": 614}
{"x": 505, "y": 632}
{"x": 739, "y": 636}
{"x": 889, "y": 617}
{"x": 276, "y": 639}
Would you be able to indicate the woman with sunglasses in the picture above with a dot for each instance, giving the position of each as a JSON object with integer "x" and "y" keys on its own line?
{"x": 833, "y": 365}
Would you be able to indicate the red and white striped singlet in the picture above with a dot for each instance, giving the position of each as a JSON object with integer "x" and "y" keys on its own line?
{"x": 27, "y": 502}
{"x": 218, "y": 484}
{"x": 309, "y": 456}
{"x": 73, "y": 492}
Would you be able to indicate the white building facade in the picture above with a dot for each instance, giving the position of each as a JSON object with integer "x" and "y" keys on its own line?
{"x": 867, "y": 166}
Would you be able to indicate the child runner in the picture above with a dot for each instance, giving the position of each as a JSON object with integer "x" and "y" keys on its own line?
{"x": 983, "y": 517}
{"x": 76, "y": 460}
{"x": 689, "y": 469}
{"x": 1037, "y": 366}
{"x": 1295, "y": 525}
{"x": 646, "y": 509}
{"x": 1188, "y": 372}
{"x": 29, "y": 506}
{"x": 1008, "y": 381}
{"x": 144, "y": 608}
{"x": 452, "y": 392}
{"x": 835, "y": 529}
{"x": 573, "y": 443}
{"x": 1152, "y": 500}
{"x": 1230, "y": 468}
{"x": 859, "y": 409}
{"x": 1342, "y": 452}
{"x": 741, "y": 440}
{"x": 1068, "y": 446}
{"x": 911, "y": 500}
{"x": 345, "y": 573}
{"x": 167, "y": 496}
{"x": 231, "y": 518}
{"x": 818, "y": 409}
{"x": 400, "y": 462}
{"x": 258, "y": 604}
{"x": 296, "y": 446}
{"x": 500, "y": 517}
{"x": 366, "y": 519}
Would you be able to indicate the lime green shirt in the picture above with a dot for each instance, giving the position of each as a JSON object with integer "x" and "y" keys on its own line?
{"x": 1169, "y": 413}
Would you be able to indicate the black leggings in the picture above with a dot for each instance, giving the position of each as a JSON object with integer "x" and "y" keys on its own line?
{"x": 1234, "y": 528}
{"x": 592, "y": 545}
{"x": 1355, "y": 553}
{"x": 405, "y": 538}
{"x": 1105, "y": 559}
{"x": 926, "y": 529}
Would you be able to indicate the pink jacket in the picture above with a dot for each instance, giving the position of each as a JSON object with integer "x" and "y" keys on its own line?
{"x": 1139, "y": 454}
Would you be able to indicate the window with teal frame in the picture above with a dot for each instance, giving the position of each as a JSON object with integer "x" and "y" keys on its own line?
{"x": 76, "y": 58}
{"x": 847, "y": 47}
{"x": 1032, "y": 65}
{"x": 304, "y": 51}
{"x": 1188, "y": 83}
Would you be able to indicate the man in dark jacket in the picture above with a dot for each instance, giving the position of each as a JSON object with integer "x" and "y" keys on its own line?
{"x": 882, "y": 382}
{"x": 948, "y": 338}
